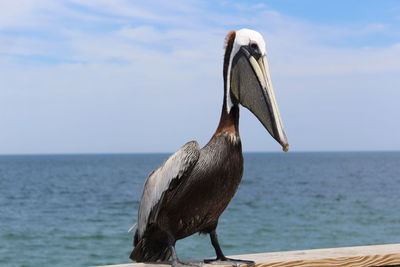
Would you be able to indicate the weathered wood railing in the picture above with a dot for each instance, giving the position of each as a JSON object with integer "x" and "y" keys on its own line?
{"x": 363, "y": 256}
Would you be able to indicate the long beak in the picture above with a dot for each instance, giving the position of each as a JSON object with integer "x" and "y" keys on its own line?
{"x": 259, "y": 98}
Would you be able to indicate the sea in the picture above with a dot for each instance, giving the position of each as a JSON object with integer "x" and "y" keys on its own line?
{"x": 75, "y": 210}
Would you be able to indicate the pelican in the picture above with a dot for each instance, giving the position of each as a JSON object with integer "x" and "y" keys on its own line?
{"x": 192, "y": 188}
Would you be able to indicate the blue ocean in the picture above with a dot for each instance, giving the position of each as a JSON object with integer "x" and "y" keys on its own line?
{"x": 75, "y": 210}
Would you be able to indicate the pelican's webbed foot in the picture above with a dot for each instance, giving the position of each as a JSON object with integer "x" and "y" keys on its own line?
{"x": 221, "y": 259}
{"x": 176, "y": 262}
{"x": 229, "y": 261}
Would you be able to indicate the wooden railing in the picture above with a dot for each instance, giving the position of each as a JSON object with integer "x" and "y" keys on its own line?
{"x": 363, "y": 256}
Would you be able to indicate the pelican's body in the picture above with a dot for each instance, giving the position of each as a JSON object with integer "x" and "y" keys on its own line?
{"x": 197, "y": 202}
{"x": 189, "y": 192}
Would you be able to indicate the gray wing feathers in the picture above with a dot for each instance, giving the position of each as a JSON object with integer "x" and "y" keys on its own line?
{"x": 159, "y": 180}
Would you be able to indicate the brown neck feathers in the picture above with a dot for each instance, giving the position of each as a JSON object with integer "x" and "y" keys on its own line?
{"x": 229, "y": 122}
{"x": 229, "y": 39}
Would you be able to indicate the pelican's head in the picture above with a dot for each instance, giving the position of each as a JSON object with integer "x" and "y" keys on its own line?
{"x": 248, "y": 81}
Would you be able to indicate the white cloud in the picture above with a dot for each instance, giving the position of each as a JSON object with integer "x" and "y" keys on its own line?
{"x": 12, "y": 11}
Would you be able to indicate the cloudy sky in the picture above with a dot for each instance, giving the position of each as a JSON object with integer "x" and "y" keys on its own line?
{"x": 112, "y": 76}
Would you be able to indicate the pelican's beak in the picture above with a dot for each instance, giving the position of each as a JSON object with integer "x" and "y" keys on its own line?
{"x": 251, "y": 85}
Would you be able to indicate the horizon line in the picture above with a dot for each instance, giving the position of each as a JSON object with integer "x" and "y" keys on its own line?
{"x": 170, "y": 153}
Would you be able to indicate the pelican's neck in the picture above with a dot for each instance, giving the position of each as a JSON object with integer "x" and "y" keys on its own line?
{"x": 229, "y": 122}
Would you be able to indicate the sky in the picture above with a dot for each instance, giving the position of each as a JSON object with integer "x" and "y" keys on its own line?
{"x": 119, "y": 76}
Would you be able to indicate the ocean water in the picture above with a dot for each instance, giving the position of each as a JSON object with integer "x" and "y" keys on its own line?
{"x": 75, "y": 210}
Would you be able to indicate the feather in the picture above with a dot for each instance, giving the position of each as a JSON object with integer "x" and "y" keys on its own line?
{"x": 132, "y": 227}
{"x": 159, "y": 180}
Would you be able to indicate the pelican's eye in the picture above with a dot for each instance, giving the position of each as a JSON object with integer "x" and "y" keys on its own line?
{"x": 255, "y": 50}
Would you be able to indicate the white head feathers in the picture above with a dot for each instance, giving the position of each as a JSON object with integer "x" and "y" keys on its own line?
{"x": 242, "y": 37}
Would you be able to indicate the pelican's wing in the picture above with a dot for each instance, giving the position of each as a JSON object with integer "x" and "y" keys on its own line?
{"x": 175, "y": 167}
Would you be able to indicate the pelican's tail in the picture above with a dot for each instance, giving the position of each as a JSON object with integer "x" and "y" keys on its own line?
{"x": 150, "y": 249}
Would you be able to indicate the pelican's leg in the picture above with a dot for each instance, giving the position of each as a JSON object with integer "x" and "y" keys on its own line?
{"x": 176, "y": 262}
{"x": 221, "y": 259}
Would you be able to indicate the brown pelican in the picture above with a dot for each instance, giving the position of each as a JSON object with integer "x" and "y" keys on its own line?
{"x": 189, "y": 192}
